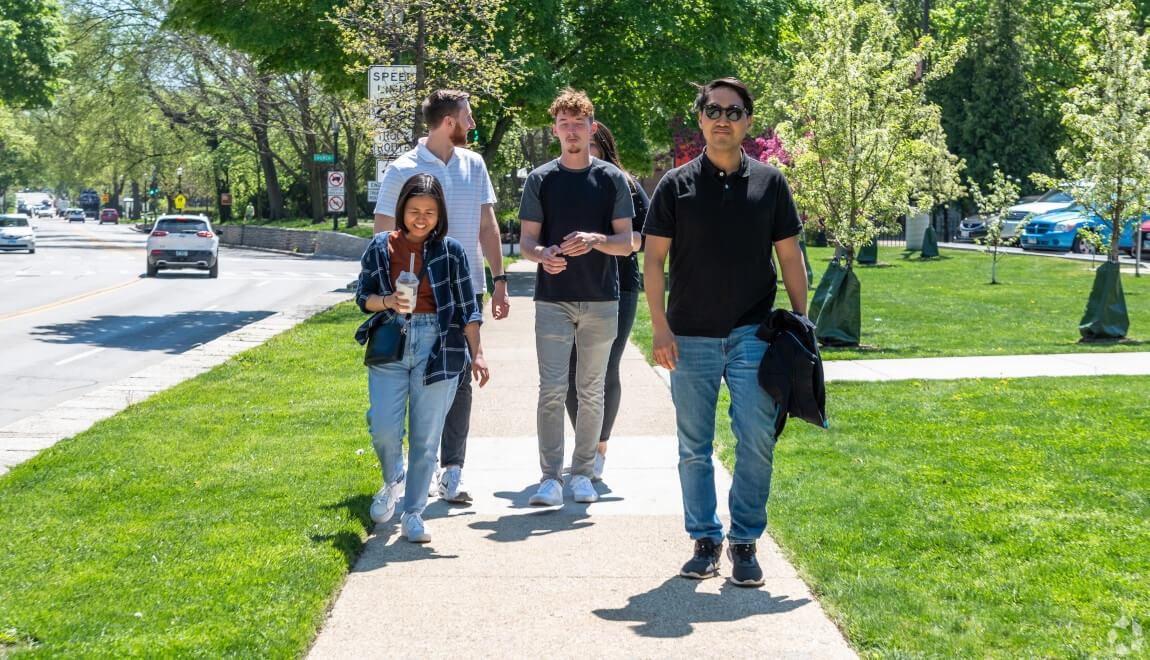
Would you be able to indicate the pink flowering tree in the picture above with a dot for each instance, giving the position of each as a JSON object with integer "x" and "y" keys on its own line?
{"x": 687, "y": 143}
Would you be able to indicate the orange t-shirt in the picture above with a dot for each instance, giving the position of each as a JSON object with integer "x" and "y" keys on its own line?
{"x": 399, "y": 251}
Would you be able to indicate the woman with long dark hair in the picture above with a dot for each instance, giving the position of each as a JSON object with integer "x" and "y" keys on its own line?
{"x": 630, "y": 285}
{"x": 442, "y": 340}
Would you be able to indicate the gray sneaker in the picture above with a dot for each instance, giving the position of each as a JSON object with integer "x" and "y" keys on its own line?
{"x": 582, "y": 490}
{"x": 450, "y": 485}
{"x": 550, "y": 493}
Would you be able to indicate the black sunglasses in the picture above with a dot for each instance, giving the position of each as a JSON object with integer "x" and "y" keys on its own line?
{"x": 713, "y": 110}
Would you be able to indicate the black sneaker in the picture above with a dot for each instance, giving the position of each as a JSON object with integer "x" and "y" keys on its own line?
{"x": 745, "y": 571}
{"x": 705, "y": 563}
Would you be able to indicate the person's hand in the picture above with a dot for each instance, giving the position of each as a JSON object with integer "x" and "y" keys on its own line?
{"x": 397, "y": 302}
{"x": 580, "y": 242}
{"x": 552, "y": 260}
{"x": 479, "y": 370}
{"x": 664, "y": 347}
{"x": 500, "y": 301}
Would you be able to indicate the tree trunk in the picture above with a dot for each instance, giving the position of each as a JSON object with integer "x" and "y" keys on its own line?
{"x": 315, "y": 183}
{"x": 350, "y": 179}
{"x": 492, "y": 148}
{"x": 264, "y": 149}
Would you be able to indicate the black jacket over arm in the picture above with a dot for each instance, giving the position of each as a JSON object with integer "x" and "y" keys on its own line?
{"x": 792, "y": 370}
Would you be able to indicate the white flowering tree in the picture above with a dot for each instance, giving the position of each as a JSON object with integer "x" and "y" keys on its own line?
{"x": 1107, "y": 162}
{"x": 857, "y": 131}
{"x": 994, "y": 207}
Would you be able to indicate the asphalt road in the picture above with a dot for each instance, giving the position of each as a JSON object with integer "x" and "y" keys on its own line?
{"x": 79, "y": 314}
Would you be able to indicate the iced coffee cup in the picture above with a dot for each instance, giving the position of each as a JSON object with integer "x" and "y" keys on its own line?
{"x": 408, "y": 284}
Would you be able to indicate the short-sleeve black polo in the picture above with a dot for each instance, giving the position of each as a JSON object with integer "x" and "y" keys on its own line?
{"x": 723, "y": 228}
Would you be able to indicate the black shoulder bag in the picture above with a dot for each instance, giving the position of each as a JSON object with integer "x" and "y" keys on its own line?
{"x": 386, "y": 341}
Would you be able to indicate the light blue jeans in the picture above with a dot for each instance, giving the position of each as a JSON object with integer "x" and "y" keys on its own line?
{"x": 703, "y": 363}
{"x": 396, "y": 389}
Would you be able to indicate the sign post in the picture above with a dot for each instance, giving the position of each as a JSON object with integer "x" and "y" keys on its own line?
{"x": 180, "y": 201}
{"x": 384, "y": 82}
{"x": 335, "y": 192}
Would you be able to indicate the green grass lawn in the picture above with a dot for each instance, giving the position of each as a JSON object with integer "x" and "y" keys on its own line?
{"x": 976, "y": 518}
{"x": 217, "y": 518}
{"x": 972, "y": 518}
{"x": 364, "y": 229}
{"x": 945, "y": 307}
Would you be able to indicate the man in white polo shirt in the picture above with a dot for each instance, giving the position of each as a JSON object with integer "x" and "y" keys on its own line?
{"x": 471, "y": 221}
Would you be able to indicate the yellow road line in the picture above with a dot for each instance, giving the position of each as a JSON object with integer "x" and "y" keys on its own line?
{"x": 66, "y": 301}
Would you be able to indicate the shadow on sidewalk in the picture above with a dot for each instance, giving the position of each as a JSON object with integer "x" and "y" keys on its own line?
{"x": 522, "y": 526}
{"x": 673, "y": 608}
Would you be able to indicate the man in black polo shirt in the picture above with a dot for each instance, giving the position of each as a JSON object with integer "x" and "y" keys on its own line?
{"x": 720, "y": 216}
{"x": 576, "y": 218}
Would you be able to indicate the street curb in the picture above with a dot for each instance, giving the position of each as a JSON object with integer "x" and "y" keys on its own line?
{"x": 26, "y": 437}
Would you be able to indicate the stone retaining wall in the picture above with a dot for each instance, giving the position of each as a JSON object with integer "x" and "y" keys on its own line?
{"x": 303, "y": 241}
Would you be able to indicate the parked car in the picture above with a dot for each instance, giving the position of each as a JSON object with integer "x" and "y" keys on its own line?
{"x": 1058, "y": 230}
{"x": 16, "y": 233}
{"x": 110, "y": 215}
{"x": 76, "y": 215}
{"x": 183, "y": 241}
{"x": 1126, "y": 240}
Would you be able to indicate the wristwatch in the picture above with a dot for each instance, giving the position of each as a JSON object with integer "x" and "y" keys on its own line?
{"x": 499, "y": 278}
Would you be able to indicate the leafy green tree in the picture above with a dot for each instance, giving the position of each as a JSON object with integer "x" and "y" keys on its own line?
{"x": 994, "y": 207}
{"x": 1108, "y": 159}
{"x": 991, "y": 111}
{"x": 32, "y": 52}
{"x": 858, "y": 129}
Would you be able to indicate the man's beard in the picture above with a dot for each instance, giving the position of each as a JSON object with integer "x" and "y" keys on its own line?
{"x": 459, "y": 136}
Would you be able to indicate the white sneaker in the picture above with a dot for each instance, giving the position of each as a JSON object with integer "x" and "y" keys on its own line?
{"x": 550, "y": 493}
{"x": 383, "y": 504}
{"x": 582, "y": 490}
{"x": 600, "y": 459}
{"x": 411, "y": 526}
{"x": 449, "y": 486}
{"x": 433, "y": 487}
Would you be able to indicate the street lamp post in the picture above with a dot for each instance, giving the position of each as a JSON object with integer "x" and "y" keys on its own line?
{"x": 180, "y": 179}
{"x": 335, "y": 157}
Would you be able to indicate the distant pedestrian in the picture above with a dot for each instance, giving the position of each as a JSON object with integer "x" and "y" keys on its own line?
{"x": 630, "y": 284}
{"x": 249, "y": 213}
{"x": 576, "y": 218}
{"x": 719, "y": 217}
{"x": 442, "y": 339}
{"x": 471, "y": 207}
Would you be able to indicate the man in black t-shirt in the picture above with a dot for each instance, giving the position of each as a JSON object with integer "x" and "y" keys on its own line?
{"x": 719, "y": 217}
{"x": 576, "y": 218}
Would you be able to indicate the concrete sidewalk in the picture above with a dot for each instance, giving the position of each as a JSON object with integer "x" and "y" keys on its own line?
{"x": 1001, "y": 366}
{"x": 503, "y": 579}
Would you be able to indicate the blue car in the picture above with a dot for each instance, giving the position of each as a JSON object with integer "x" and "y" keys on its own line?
{"x": 1058, "y": 230}
{"x": 1126, "y": 240}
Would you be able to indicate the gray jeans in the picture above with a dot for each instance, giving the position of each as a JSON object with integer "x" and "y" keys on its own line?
{"x": 591, "y": 327}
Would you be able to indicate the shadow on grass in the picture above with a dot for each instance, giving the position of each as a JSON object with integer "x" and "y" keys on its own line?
{"x": 673, "y": 608}
{"x": 349, "y": 544}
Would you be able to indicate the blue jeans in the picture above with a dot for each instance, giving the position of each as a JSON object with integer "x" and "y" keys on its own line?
{"x": 397, "y": 389}
{"x": 703, "y": 363}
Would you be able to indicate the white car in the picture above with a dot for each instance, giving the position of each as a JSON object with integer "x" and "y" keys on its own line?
{"x": 46, "y": 211}
{"x": 17, "y": 234}
{"x": 1051, "y": 200}
{"x": 183, "y": 241}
